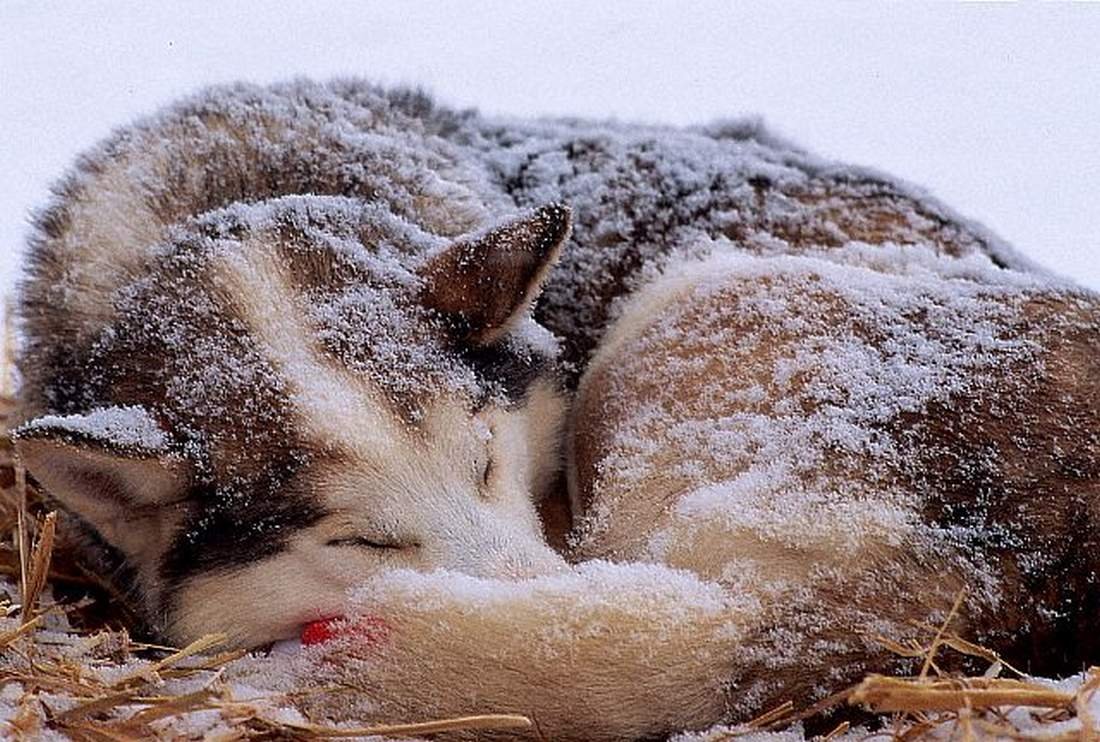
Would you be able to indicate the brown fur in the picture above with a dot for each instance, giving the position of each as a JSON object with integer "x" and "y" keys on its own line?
{"x": 198, "y": 242}
{"x": 1016, "y": 456}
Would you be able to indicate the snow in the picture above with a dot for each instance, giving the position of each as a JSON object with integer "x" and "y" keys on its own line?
{"x": 596, "y": 584}
{"x": 128, "y": 427}
{"x": 101, "y": 670}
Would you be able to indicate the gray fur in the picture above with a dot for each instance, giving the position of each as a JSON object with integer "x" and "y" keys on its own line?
{"x": 142, "y": 273}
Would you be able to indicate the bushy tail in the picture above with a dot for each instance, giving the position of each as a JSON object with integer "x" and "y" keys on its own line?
{"x": 605, "y": 652}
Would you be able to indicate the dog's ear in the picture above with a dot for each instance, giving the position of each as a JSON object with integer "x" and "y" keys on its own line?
{"x": 110, "y": 467}
{"x": 487, "y": 281}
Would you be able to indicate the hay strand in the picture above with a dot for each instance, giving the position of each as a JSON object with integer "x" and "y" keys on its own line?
{"x": 838, "y": 730}
{"x": 769, "y": 718}
{"x": 889, "y": 695}
{"x": 10, "y": 636}
{"x": 1090, "y": 726}
{"x": 931, "y": 655}
{"x": 483, "y": 722}
{"x": 7, "y": 352}
{"x": 152, "y": 672}
{"x": 22, "y": 537}
{"x": 34, "y": 578}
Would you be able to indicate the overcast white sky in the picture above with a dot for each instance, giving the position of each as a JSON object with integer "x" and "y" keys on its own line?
{"x": 993, "y": 107}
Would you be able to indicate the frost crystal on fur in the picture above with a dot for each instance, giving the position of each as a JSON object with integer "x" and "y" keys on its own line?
{"x": 128, "y": 427}
{"x": 813, "y": 405}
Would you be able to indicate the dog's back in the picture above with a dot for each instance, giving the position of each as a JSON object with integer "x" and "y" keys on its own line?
{"x": 854, "y": 446}
{"x": 641, "y": 195}
{"x": 646, "y": 196}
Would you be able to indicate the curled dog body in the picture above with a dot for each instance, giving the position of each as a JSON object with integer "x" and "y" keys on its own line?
{"x": 278, "y": 342}
{"x": 856, "y": 441}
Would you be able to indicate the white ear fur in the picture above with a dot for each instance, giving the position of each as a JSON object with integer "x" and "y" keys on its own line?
{"x": 488, "y": 281}
{"x": 114, "y": 477}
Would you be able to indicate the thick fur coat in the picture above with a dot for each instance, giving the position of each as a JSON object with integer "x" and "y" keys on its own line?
{"x": 277, "y": 344}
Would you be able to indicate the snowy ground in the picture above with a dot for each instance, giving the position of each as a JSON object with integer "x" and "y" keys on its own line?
{"x": 992, "y": 107}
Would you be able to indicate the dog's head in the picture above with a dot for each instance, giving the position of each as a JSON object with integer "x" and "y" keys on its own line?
{"x": 301, "y": 394}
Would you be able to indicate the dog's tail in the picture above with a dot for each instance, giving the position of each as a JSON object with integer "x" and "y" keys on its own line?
{"x": 604, "y": 652}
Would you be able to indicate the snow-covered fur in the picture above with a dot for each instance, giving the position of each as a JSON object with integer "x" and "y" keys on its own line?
{"x": 787, "y": 467}
{"x": 847, "y": 441}
{"x": 277, "y": 344}
{"x": 324, "y": 335}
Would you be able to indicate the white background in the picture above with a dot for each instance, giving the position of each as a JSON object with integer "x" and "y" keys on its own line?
{"x": 995, "y": 108}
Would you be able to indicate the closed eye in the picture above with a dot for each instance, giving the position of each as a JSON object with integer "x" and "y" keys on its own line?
{"x": 364, "y": 542}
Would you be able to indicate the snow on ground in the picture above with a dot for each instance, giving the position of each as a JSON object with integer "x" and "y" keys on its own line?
{"x": 993, "y": 108}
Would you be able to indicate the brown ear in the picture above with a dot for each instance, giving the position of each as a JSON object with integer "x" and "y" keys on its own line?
{"x": 489, "y": 280}
{"x": 109, "y": 467}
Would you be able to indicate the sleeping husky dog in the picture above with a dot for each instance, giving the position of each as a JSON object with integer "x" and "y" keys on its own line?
{"x": 277, "y": 340}
{"x": 276, "y": 410}
{"x": 790, "y": 472}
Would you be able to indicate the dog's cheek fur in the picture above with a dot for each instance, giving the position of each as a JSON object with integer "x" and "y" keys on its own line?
{"x": 263, "y": 601}
{"x": 546, "y": 407}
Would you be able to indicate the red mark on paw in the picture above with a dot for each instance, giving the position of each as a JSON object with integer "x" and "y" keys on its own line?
{"x": 370, "y": 630}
